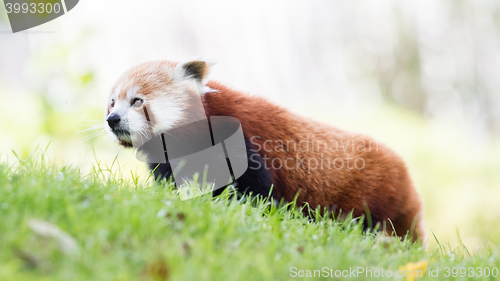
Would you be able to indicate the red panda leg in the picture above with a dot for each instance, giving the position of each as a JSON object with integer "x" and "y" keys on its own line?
{"x": 410, "y": 222}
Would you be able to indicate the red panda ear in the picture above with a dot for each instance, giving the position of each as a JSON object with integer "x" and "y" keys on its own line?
{"x": 196, "y": 69}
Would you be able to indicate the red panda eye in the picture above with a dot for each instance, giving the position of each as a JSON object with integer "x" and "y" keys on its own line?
{"x": 137, "y": 102}
{"x": 112, "y": 103}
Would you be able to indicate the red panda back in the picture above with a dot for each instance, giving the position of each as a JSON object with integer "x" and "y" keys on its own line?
{"x": 376, "y": 177}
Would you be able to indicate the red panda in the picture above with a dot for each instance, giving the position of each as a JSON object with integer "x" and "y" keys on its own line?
{"x": 324, "y": 166}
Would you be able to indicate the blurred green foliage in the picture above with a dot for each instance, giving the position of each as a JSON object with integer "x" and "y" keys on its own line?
{"x": 3, "y": 13}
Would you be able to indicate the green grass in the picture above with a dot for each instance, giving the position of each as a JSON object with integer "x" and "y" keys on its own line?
{"x": 138, "y": 230}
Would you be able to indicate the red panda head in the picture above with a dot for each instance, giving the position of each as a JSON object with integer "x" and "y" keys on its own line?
{"x": 154, "y": 97}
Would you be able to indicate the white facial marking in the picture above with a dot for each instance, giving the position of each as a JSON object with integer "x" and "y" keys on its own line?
{"x": 167, "y": 113}
{"x": 131, "y": 92}
{"x": 117, "y": 91}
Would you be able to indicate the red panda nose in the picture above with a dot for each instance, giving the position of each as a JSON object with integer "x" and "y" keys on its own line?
{"x": 113, "y": 120}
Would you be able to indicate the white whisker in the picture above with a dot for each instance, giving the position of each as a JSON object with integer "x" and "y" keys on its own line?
{"x": 92, "y": 136}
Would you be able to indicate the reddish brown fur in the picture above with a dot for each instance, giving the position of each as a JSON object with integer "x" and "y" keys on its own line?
{"x": 142, "y": 75}
{"x": 383, "y": 185}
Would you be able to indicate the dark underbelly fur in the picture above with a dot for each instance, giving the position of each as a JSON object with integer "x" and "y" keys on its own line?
{"x": 255, "y": 180}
